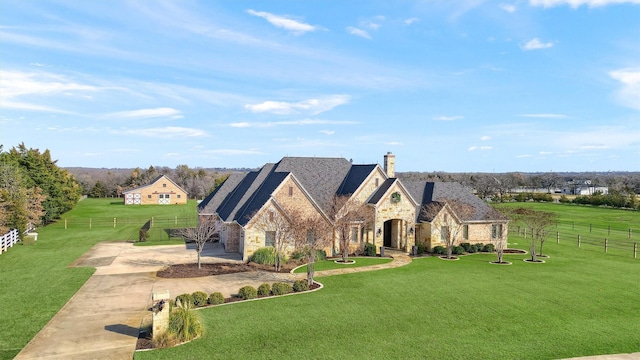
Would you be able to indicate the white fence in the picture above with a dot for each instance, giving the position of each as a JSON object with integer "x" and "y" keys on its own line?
{"x": 8, "y": 240}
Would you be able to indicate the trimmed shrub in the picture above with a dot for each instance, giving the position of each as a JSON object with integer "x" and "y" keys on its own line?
{"x": 421, "y": 248}
{"x": 369, "y": 249}
{"x": 185, "y": 300}
{"x": 300, "y": 285}
{"x": 247, "y": 292}
{"x": 279, "y": 288}
{"x": 265, "y": 255}
{"x": 489, "y": 248}
{"x": 466, "y": 246}
{"x": 184, "y": 324}
{"x": 264, "y": 289}
{"x": 479, "y": 247}
{"x": 457, "y": 250}
{"x": 200, "y": 298}
{"x": 439, "y": 250}
{"x": 216, "y": 298}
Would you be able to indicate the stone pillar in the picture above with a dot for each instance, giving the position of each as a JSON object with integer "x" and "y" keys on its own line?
{"x": 390, "y": 165}
{"x": 160, "y": 310}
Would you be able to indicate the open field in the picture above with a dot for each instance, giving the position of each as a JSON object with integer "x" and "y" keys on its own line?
{"x": 35, "y": 279}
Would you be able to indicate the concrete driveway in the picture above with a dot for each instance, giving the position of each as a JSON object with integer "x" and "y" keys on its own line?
{"x": 102, "y": 319}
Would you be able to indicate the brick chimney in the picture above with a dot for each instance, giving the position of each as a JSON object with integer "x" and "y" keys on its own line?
{"x": 390, "y": 164}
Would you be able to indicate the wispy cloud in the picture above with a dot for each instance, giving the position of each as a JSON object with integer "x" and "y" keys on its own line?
{"x": 310, "y": 106}
{"x": 629, "y": 94}
{"x": 234, "y": 152}
{"x": 302, "y": 122}
{"x": 327, "y": 132}
{"x": 485, "y": 138}
{"x": 510, "y": 8}
{"x": 168, "y": 132}
{"x": 536, "y": 44}
{"x": 448, "y": 118}
{"x": 358, "y": 32}
{"x": 545, "y": 116}
{"x": 577, "y": 3}
{"x": 480, "y": 148}
{"x": 411, "y": 21}
{"x": 285, "y": 22}
{"x": 147, "y": 113}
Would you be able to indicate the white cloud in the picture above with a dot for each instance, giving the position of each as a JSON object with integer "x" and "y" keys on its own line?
{"x": 327, "y": 132}
{"x": 545, "y": 153}
{"x": 165, "y": 132}
{"x": 535, "y": 44}
{"x": 485, "y": 138}
{"x": 410, "y": 21}
{"x": 577, "y": 3}
{"x": 358, "y": 32}
{"x": 545, "y": 116}
{"x": 510, "y": 8}
{"x": 234, "y": 152}
{"x": 480, "y": 148}
{"x": 301, "y": 122}
{"x": 629, "y": 94}
{"x": 147, "y": 113}
{"x": 284, "y": 22}
{"x": 448, "y": 118}
{"x": 310, "y": 106}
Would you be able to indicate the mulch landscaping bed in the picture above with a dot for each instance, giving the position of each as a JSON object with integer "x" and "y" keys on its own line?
{"x": 182, "y": 271}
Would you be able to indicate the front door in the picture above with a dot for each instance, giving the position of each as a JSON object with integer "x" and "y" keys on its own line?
{"x": 387, "y": 233}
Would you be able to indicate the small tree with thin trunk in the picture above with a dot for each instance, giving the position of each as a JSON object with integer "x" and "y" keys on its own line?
{"x": 347, "y": 215}
{"x": 312, "y": 233}
{"x": 538, "y": 222}
{"x": 449, "y": 219}
{"x": 499, "y": 241}
{"x": 205, "y": 230}
{"x": 276, "y": 225}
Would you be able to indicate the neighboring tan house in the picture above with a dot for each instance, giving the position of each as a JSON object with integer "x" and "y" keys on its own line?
{"x": 245, "y": 201}
{"x": 161, "y": 190}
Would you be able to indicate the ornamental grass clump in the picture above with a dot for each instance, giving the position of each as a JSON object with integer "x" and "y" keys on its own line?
{"x": 184, "y": 324}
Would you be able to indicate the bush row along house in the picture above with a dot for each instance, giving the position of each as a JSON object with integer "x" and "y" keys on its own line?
{"x": 161, "y": 190}
{"x": 309, "y": 184}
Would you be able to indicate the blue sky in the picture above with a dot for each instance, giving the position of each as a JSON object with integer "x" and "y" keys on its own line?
{"x": 459, "y": 86}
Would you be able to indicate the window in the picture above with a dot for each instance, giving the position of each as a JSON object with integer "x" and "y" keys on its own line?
{"x": 354, "y": 234}
{"x": 496, "y": 231}
{"x": 377, "y": 182}
{"x": 444, "y": 233}
{"x": 290, "y": 190}
{"x": 179, "y": 196}
{"x": 465, "y": 232}
{"x": 164, "y": 185}
{"x": 149, "y": 196}
{"x": 270, "y": 238}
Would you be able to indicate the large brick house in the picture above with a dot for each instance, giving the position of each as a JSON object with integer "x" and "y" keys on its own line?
{"x": 309, "y": 184}
{"x": 161, "y": 190}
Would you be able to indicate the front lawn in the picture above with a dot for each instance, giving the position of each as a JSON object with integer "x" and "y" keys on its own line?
{"x": 35, "y": 281}
{"x": 330, "y": 264}
{"x": 578, "y": 303}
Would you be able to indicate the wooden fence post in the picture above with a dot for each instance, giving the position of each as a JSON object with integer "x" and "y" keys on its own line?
{"x": 635, "y": 250}
{"x": 114, "y": 222}
{"x": 65, "y": 224}
{"x": 558, "y": 237}
{"x": 606, "y": 242}
{"x": 578, "y": 240}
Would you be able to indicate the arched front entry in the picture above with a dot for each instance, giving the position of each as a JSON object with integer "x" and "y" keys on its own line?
{"x": 394, "y": 234}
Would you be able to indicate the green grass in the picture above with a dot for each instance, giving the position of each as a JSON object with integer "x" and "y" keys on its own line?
{"x": 578, "y": 303}
{"x": 35, "y": 281}
{"x": 330, "y": 264}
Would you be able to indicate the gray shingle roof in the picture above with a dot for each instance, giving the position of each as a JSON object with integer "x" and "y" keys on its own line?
{"x": 356, "y": 176}
{"x": 427, "y": 192}
{"x": 378, "y": 194}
